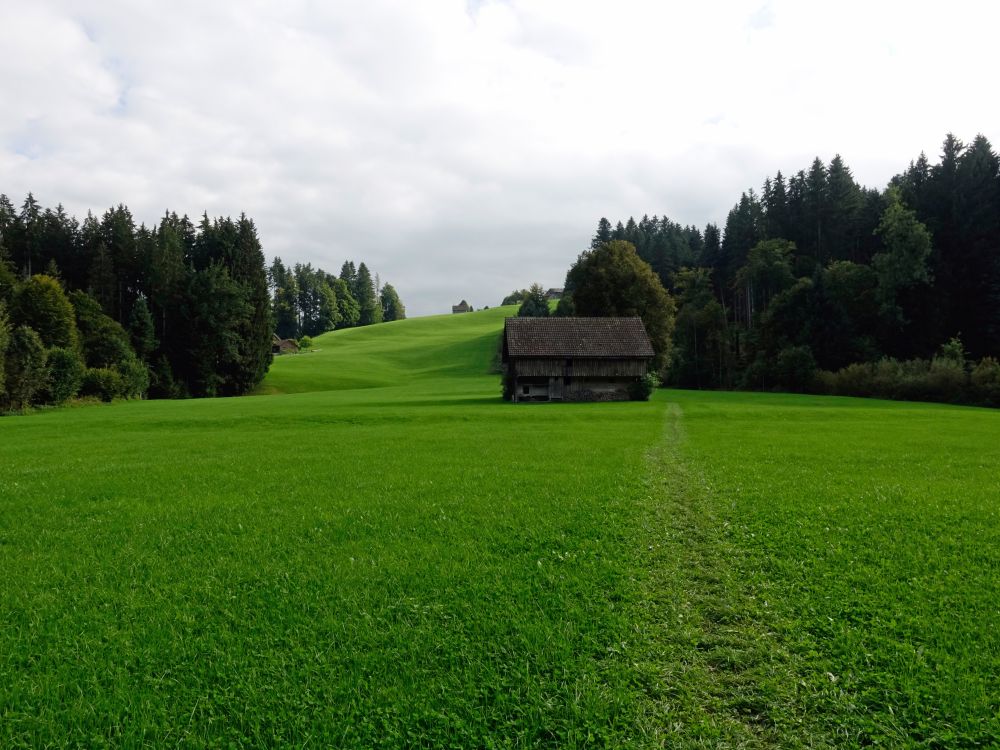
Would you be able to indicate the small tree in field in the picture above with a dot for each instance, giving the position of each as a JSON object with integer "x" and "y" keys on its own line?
{"x": 534, "y": 305}
{"x": 392, "y": 305}
{"x": 24, "y": 366}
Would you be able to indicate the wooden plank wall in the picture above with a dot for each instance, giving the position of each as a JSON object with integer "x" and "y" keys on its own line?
{"x": 599, "y": 368}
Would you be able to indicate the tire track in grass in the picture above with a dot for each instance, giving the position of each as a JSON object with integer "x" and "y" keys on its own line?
{"x": 714, "y": 668}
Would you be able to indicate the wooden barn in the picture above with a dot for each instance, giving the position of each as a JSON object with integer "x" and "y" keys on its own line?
{"x": 574, "y": 359}
{"x": 283, "y": 346}
{"x": 461, "y": 307}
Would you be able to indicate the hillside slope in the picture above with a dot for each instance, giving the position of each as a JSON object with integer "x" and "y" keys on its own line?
{"x": 405, "y": 352}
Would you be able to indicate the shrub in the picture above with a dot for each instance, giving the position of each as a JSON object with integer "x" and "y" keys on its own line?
{"x": 984, "y": 382}
{"x": 135, "y": 377}
{"x": 889, "y": 378}
{"x": 102, "y": 382}
{"x": 4, "y": 340}
{"x": 943, "y": 379}
{"x": 946, "y": 380}
{"x": 643, "y": 388}
{"x": 758, "y": 374}
{"x": 305, "y": 343}
{"x": 795, "y": 368}
{"x": 825, "y": 383}
{"x": 508, "y": 385}
{"x": 953, "y": 351}
{"x": 65, "y": 375}
{"x": 854, "y": 380}
{"x": 24, "y": 367}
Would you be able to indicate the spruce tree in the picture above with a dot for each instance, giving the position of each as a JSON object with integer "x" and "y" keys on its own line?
{"x": 775, "y": 203}
{"x": 349, "y": 275}
{"x": 215, "y": 309}
{"x": 30, "y": 226}
{"x": 392, "y": 306}
{"x": 602, "y": 235}
{"x": 700, "y": 335}
{"x": 844, "y": 198}
{"x": 903, "y": 274}
{"x": 816, "y": 212}
{"x": 247, "y": 270}
{"x": 712, "y": 247}
{"x": 119, "y": 236}
{"x": 368, "y": 304}
{"x": 286, "y": 306}
{"x": 8, "y": 219}
{"x": 976, "y": 309}
{"x": 141, "y": 330}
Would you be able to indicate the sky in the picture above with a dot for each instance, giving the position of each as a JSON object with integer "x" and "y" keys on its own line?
{"x": 467, "y": 148}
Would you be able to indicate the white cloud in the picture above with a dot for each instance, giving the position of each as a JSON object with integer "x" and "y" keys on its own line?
{"x": 465, "y": 149}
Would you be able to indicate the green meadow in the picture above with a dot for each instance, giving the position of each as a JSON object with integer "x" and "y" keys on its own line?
{"x": 376, "y": 551}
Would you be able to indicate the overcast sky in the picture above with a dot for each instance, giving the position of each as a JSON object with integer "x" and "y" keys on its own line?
{"x": 463, "y": 148}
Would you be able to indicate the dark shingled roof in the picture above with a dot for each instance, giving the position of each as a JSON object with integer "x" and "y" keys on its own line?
{"x": 576, "y": 337}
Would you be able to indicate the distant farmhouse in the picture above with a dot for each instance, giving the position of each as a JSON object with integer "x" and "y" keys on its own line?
{"x": 283, "y": 346}
{"x": 554, "y": 294}
{"x": 574, "y": 359}
{"x": 461, "y": 307}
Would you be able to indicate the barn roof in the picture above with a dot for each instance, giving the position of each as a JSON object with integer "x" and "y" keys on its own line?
{"x": 576, "y": 337}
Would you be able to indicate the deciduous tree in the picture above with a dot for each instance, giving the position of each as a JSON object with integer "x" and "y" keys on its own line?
{"x": 24, "y": 367}
{"x": 41, "y": 304}
{"x": 614, "y": 281}
{"x": 534, "y": 304}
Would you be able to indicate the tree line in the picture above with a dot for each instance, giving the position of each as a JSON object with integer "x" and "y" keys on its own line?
{"x": 110, "y": 309}
{"x": 819, "y": 284}
{"x": 308, "y": 301}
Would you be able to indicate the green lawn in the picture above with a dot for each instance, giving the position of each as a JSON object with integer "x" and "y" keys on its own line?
{"x": 858, "y": 594}
{"x": 379, "y": 552}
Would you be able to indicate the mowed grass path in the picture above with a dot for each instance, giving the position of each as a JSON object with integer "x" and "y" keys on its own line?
{"x": 381, "y": 553}
{"x": 835, "y": 576}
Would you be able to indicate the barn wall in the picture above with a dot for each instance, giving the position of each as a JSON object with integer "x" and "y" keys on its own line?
{"x": 603, "y": 368}
{"x": 536, "y": 388}
{"x": 597, "y": 389}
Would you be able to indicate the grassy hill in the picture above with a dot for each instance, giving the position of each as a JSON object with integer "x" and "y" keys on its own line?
{"x": 381, "y": 553}
{"x": 444, "y": 350}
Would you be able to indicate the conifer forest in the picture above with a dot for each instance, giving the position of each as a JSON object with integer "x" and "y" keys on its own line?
{"x": 816, "y": 283}
{"x": 108, "y": 309}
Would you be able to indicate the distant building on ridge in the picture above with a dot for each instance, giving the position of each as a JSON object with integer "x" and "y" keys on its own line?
{"x": 283, "y": 346}
{"x": 461, "y": 307}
